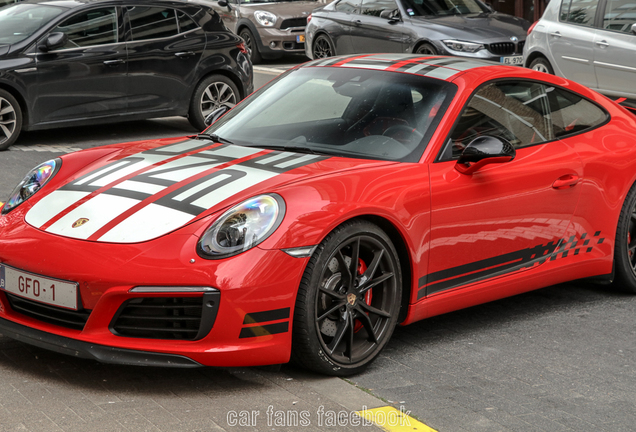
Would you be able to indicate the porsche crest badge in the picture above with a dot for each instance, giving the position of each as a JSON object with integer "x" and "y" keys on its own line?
{"x": 78, "y": 223}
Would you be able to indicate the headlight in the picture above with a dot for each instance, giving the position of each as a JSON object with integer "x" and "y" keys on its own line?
{"x": 460, "y": 46}
{"x": 242, "y": 227}
{"x": 265, "y": 18}
{"x": 33, "y": 182}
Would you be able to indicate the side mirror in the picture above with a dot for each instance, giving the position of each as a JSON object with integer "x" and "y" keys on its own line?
{"x": 53, "y": 41}
{"x": 216, "y": 114}
{"x": 393, "y": 16}
{"x": 482, "y": 151}
{"x": 222, "y": 3}
{"x": 634, "y": 28}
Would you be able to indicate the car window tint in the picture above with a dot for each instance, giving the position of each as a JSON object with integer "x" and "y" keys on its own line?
{"x": 376, "y": 7}
{"x": 572, "y": 114}
{"x": 565, "y": 8}
{"x": 620, "y": 15}
{"x": 347, "y": 6}
{"x": 185, "y": 22}
{"x": 20, "y": 21}
{"x": 517, "y": 112}
{"x": 441, "y": 7}
{"x": 152, "y": 22}
{"x": 94, "y": 27}
{"x": 582, "y": 12}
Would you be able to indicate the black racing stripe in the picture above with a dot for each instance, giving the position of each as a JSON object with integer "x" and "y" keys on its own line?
{"x": 271, "y": 315}
{"x": 269, "y": 329}
{"x": 430, "y": 67}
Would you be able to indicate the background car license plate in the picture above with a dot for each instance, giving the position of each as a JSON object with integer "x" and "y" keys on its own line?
{"x": 35, "y": 287}
{"x": 300, "y": 38}
{"x": 512, "y": 60}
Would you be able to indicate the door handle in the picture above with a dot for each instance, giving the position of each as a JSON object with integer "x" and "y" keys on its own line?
{"x": 114, "y": 62}
{"x": 555, "y": 34}
{"x": 567, "y": 181}
{"x": 602, "y": 43}
{"x": 357, "y": 22}
{"x": 184, "y": 54}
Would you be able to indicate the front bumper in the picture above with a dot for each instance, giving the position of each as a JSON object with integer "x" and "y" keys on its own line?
{"x": 279, "y": 41}
{"x": 252, "y": 325}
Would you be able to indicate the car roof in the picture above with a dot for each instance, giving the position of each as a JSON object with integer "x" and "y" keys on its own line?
{"x": 441, "y": 67}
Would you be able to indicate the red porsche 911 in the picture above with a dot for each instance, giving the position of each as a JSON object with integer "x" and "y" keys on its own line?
{"x": 349, "y": 195}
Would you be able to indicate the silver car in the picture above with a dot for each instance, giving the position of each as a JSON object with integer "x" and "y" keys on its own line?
{"x": 592, "y": 42}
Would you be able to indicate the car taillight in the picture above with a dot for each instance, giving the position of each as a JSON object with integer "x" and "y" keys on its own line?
{"x": 532, "y": 26}
{"x": 243, "y": 48}
{"x": 308, "y": 18}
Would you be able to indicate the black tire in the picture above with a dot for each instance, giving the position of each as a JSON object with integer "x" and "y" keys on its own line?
{"x": 342, "y": 323}
{"x": 10, "y": 120}
{"x": 323, "y": 47}
{"x": 427, "y": 49}
{"x": 252, "y": 44}
{"x": 211, "y": 93}
{"x": 541, "y": 64}
{"x": 625, "y": 246}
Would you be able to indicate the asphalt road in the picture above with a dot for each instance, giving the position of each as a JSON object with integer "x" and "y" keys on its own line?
{"x": 557, "y": 359}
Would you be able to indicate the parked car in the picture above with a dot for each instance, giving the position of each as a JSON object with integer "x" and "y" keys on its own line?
{"x": 87, "y": 62}
{"x": 270, "y": 28}
{"x": 410, "y": 186}
{"x": 590, "y": 42}
{"x": 466, "y": 28}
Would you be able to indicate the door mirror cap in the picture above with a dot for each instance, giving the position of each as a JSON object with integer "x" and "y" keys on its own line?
{"x": 53, "y": 41}
{"x": 222, "y": 3}
{"x": 216, "y": 114}
{"x": 482, "y": 151}
{"x": 392, "y": 15}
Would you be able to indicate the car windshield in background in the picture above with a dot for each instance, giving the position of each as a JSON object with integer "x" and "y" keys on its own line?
{"x": 19, "y": 21}
{"x": 442, "y": 7}
{"x": 340, "y": 112}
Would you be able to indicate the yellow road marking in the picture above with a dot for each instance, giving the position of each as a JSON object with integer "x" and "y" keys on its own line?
{"x": 393, "y": 420}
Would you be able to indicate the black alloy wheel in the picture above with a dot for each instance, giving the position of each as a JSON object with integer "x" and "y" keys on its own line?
{"x": 426, "y": 49}
{"x": 625, "y": 245}
{"x": 323, "y": 47}
{"x": 10, "y": 120}
{"x": 250, "y": 43}
{"x": 348, "y": 301}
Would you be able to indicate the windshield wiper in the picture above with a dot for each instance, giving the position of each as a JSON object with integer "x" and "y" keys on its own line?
{"x": 291, "y": 149}
{"x": 214, "y": 138}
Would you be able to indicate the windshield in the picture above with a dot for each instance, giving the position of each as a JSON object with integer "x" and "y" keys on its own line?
{"x": 442, "y": 7}
{"x": 342, "y": 112}
{"x": 21, "y": 20}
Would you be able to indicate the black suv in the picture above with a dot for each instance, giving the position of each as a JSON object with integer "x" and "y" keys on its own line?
{"x": 79, "y": 62}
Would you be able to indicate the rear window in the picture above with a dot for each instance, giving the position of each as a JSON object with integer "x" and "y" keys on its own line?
{"x": 152, "y": 22}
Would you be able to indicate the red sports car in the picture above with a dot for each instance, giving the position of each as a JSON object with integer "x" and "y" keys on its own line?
{"x": 349, "y": 195}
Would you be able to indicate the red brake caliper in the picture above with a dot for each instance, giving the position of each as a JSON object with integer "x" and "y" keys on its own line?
{"x": 362, "y": 267}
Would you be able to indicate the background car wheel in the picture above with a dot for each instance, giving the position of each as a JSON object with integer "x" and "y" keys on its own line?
{"x": 211, "y": 93}
{"x": 348, "y": 300}
{"x": 323, "y": 47}
{"x": 251, "y": 43}
{"x": 10, "y": 120}
{"x": 542, "y": 64}
{"x": 625, "y": 246}
{"x": 426, "y": 49}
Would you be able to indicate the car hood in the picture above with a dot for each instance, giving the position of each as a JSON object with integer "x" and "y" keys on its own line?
{"x": 144, "y": 191}
{"x": 285, "y": 10}
{"x": 481, "y": 28}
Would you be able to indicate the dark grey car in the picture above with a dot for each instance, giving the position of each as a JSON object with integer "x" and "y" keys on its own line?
{"x": 466, "y": 28}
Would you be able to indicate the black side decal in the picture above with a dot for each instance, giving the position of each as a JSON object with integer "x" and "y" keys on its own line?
{"x": 264, "y": 330}
{"x": 507, "y": 263}
{"x": 273, "y": 315}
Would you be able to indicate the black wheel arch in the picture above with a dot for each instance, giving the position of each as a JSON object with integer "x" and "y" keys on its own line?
{"x": 421, "y": 42}
{"x": 533, "y": 56}
{"x": 328, "y": 36}
{"x": 17, "y": 94}
{"x": 226, "y": 71}
{"x": 245, "y": 23}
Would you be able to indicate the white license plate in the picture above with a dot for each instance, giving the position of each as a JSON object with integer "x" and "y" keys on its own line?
{"x": 300, "y": 38}
{"x": 38, "y": 288}
{"x": 512, "y": 60}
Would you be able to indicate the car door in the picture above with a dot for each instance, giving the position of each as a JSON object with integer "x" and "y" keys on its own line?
{"x": 229, "y": 13}
{"x": 505, "y": 217}
{"x": 571, "y": 40}
{"x": 86, "y": 78}
{"x": 164, "y": 50}
{"x": 378, "y": 28}
{"x": 615, "y": 49}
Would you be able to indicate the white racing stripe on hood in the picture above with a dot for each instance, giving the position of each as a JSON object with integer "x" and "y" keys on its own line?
{"x": 51, "y": 205}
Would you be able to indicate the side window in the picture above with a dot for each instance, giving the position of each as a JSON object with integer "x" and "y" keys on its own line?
{"x": 348, "y": 6}
{"x": 376, "y": 7}
{"x": 572, "y": 114}
{"x": 565, "y": 8}
{"x": 152, "y": 22}
{"x": 582, "y": 12}
{"x": 517, "y": 112}
{"x": 185, "y": 22}
{"x": 620, "y": 15}
{"x": 94, "y": 27}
